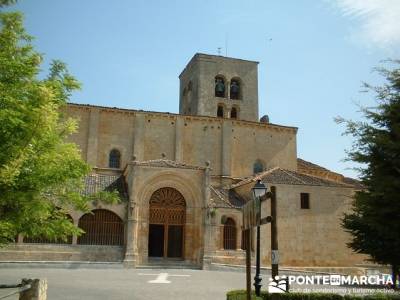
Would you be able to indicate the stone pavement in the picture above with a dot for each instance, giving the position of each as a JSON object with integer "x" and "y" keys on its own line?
{"x": 138, "y": 284}
{"x": 113, "y": 282}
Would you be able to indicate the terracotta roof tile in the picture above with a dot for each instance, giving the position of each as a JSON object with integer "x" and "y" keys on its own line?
{"x": 224, "y": 198}
{"x": 95, "y": 183}
{"x": 282, "y": 176}
{"x": 310, "y": 165}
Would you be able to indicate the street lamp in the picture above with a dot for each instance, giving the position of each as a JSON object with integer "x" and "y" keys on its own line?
{"x": 259, "y": 190}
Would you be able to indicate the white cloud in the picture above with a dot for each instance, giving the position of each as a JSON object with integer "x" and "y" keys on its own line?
{"x": 379, "y": 20}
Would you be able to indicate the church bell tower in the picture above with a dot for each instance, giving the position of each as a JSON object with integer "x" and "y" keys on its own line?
{"x": 219, "y": 86}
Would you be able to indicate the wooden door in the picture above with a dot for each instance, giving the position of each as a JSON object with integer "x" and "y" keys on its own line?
{"x": 167, "y": 214}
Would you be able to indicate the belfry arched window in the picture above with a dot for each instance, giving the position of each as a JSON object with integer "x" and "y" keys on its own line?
{"x": 235, "y": 89}
{"x": 219, "y": 86}
{"x": 220, "y": 111}
{"x": 258, "y": 167}
{"x": 114, "y": 159}
{"x": 230, "y": 234}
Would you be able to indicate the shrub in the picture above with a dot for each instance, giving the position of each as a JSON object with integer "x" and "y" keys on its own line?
{"x": 310, "y": 296}
{"x": 241, "y": 295}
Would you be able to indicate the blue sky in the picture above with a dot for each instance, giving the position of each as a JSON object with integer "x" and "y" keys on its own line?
{"x": 314, "y": 55}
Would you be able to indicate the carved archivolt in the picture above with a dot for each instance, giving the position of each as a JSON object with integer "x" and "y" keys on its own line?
{"x": 167, "y": 206}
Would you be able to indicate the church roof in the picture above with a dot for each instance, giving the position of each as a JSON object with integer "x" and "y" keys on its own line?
{"x": 354, "y": 182}
{"x": 281, "y": 176}
{"x": 177, "y": 115}
{"x": 309, "y": 168}
{"x": 224, "y": 198}
{"x": 166, "y": 163}
{"x": 95, "y": 183}
{"x": 310, "y": 165}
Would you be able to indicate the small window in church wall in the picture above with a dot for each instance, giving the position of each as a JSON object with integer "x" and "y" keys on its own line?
{"x": 220, "y": 111}
{"x": 219, "y": 87}
{"x": 258, "y": 167}
{"x": 234, "y": 113}
{"x": 234, "y": 91}
{"x": 304, "y": 200}
{"x": 114, "y": 160}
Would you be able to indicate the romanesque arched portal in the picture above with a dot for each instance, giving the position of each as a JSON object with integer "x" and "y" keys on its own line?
{"x": 167, "y": 223}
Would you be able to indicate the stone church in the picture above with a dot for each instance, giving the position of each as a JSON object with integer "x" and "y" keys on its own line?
{"x": 183, "y": 179}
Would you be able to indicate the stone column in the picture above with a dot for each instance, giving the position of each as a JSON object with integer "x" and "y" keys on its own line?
{"x": 131, "y": 253}
{"x": 208, "y": 221}
{"x": 91, "y": 155}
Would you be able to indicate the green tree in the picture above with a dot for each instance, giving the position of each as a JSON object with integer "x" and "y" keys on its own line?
{"x": 375, "y": 221}
{"x": 41, "y": 174}
{"x": 7, "y": 2}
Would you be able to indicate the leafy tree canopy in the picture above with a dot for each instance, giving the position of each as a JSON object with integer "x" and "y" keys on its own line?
{"x": 40, "y": 173}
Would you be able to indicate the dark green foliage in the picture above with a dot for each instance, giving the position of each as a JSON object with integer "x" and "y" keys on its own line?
{"x": 7, "y": 2}
{"x": 375, "y": 221}
{"x": 241, "y": 295}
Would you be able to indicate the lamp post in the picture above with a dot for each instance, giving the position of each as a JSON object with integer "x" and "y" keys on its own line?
{"x": 259, "y": 190}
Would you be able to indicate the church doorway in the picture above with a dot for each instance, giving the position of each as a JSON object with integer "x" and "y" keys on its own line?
{"x": 167, "y": 223}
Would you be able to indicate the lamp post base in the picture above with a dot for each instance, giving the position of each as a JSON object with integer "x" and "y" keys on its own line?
{"x": 257, "y": 285}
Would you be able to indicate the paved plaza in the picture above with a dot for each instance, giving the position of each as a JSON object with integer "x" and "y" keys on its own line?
{"x": 138, "y": 284}
{"x": 142, "y": 284}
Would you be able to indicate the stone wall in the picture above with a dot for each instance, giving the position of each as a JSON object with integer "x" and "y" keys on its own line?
{"x": 231, "y": 146}
{"x": 306, "y": 237}
{"x": 52, "y": 252}
{"x": 310, "y": 237}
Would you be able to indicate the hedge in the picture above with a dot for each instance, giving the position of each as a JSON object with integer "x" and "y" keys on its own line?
{"x": 241, "y": 295}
